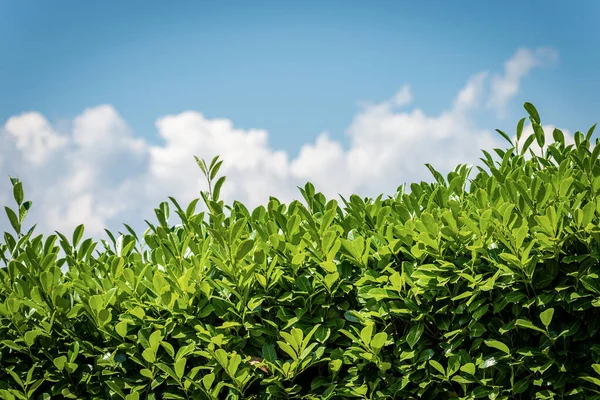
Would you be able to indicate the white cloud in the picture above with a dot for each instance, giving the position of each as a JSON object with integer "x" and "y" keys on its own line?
{"x": 470, "y": 96}
{"x": 34, "y": 137}
{"x": 100, "y": 174}
{"x": 248, "y": 161}
{"x": 504, "y": 87}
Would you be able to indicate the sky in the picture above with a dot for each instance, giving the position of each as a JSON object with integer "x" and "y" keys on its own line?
{"x": 103, "y": 105}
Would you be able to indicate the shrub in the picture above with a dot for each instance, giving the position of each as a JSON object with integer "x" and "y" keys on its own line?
{"x": 463, "y": 288}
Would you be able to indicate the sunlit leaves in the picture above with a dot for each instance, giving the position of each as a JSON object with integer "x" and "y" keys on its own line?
{"x": 481, "y": 285}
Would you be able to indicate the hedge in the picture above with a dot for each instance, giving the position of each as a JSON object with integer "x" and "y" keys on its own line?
{"x": 483, "y": 286}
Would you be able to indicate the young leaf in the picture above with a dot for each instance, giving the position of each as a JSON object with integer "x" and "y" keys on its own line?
{"x": 437, "y": 366}
{"x": 149, "y": 355}
{"x": 497, "y": 345}
{"x": 366, "y": 333}
{"x": 121, "y": 328}
{"x": 14, "y": 220}
{"x": 590, "y": 132}
{"x": 532, "y": 112}
{"x": 179, "y": 367}
{"x": 546, "y": 317}
{"x": 469, "y": 368}
{"x": 77, "y": 234}
{"x": 215, "y": 169}
{"x": 527, "y": 143}
{"x": 60, "y": 362}
{"x": 18, "y": 192}
{"x": 379, "y": 340}
{"x": 201, "y": 164}
{"x": 558, "y": 136}
{"x": 520, "y": 128}
{"x": 217, "y": 188}
{"x": 525, "y": 323}
{"x": 540, "y": 136}
{"x": 505, "y": 136}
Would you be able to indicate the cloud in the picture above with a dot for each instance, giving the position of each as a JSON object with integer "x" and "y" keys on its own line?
{"x": 504, "y": 87}
{"x": 97, "y": 172}
{"x": 252, "y": 167}
{"x": 89, "y": 176}
{"x": 33, "y": 136}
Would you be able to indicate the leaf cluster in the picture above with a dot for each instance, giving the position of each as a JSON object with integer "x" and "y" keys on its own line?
{"x": 483, "y": 287}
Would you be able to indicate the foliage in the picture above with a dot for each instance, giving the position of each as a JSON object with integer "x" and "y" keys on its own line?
{"x": 464, "y": 288}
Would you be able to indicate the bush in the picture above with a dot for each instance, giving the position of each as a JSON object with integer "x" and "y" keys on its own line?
{"x": 465, "y": 288}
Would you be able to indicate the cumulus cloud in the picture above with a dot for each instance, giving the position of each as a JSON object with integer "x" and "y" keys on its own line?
{"x": 505, "y": 86}
{"x": 34, "y": 137}
{"x": 99, "y": 173}
{"x": 89, "y": 175}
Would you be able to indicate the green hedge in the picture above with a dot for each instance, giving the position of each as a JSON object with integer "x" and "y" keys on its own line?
{"x": 483, "y": 286}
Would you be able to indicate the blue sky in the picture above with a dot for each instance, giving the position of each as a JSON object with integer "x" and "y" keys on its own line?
{"x": 293, "y": 68}
{"x": 302, "y": 74}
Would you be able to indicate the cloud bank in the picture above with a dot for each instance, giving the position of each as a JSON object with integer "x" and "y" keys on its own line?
{"x": 97, "y": 172}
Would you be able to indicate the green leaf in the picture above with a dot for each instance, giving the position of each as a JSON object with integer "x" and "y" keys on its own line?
{"x": 217, "y": 188}
{"x": 453, "y": 364}
{"x": 154, "y": 340}
{"x": 30, "y": 336}
{"x": 329, "y": 266}
{"x": 207, "y": 380}
{"x": 96, "y": 303}
{"x": 233, "y": 365}
{"x": 269, "y": 353}
{"x": 60, "y": 362}
{"x": 469, "y": 368}
{"x": 147, "y": 373}
{"x": 214, "y": 166}
{"x": 540, "y": 136}
{"x": 505, "y": 136}
{"x": 243, "y": 249}
{"x": 288, "y": 349}
{"x": 589, "y": 211}
{"x": 14, "y": 220}
{"x": 149, "y": 355}
{"x": 180, "y": 367}
{"x": 77, "y": 234}
{"x": 104, "y": 316}
{"x": 121, "y": 328}
{"x": 590, "y": 132}
{"x": 47, "y": 281}
{"x": 520, "y": 128}
{"x": 415, "y": 334}
{"x": 527, "y": 143}
{"x": 558, "y": 136}
{"x": 437, "y": 366}
{"x": 546, "y": 316}
{"x": 525, "y": 323}
{"x": 335, "y": 365}
{"x": 133, "y": 396}
{"x": 379, "y": 340}
{"x": 330, "y": 279}
{"x": 298, "y": 335}
{"x": 497, "y": 345}
{"x": 532, "y": 112}
{"x": 366, "y": 333}
{"x": 591, "y": 379}
{"x": 18, "y": 192}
